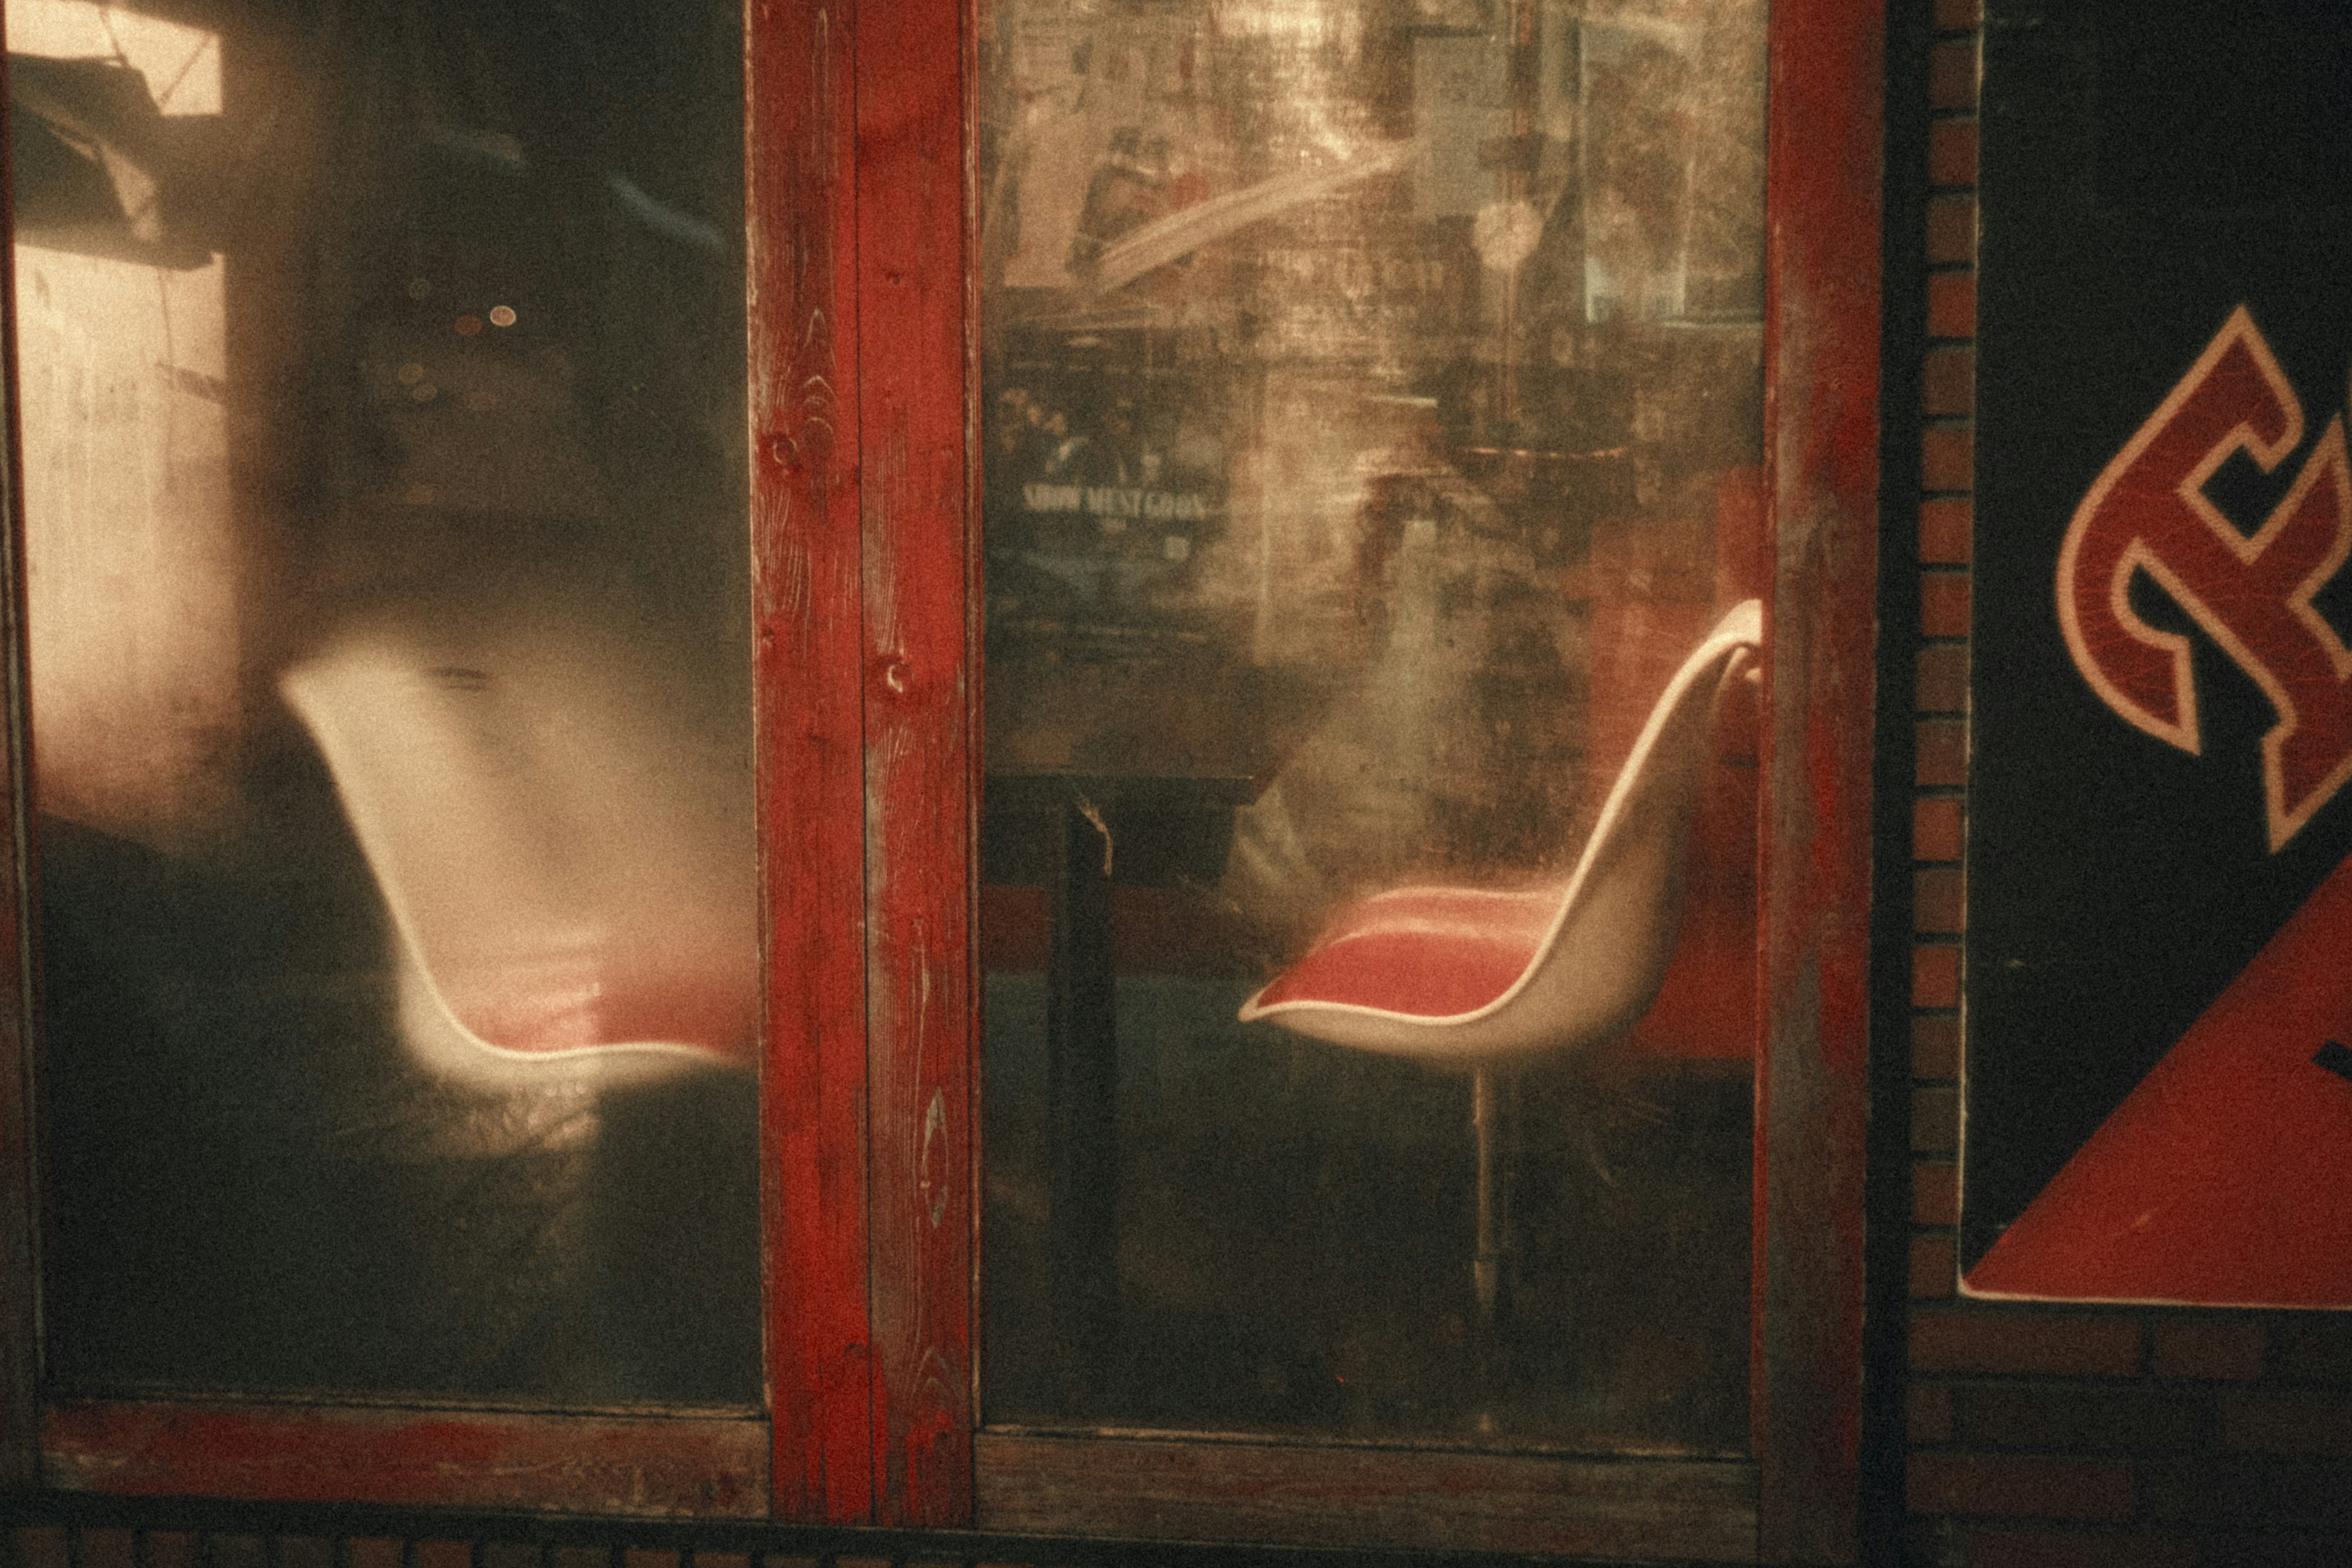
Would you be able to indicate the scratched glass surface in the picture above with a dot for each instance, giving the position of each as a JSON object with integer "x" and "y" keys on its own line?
{"x": 1371, "y": 424}
{"x": 382, "y": 394}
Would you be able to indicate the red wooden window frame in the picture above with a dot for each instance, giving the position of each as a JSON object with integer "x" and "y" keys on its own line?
{"x": 862, "y": 391}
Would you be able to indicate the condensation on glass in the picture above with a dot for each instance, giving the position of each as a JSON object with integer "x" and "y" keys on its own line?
{"x": 1372, "y": 421}
{"x": 382, "y": 375}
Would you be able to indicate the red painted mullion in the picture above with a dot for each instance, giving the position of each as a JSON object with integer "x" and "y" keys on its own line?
{"x": 1822, "y": 343}
{"x": 912, "y": 414}
{"x": 19, "y": 1332}
{"x": 802, "y": 196}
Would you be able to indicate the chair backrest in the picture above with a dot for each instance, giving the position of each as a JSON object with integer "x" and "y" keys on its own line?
{"x": 1601, "y": 960}
{"x": 1601, "y": 964}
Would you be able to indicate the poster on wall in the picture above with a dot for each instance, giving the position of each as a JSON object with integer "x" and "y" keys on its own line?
{"x": 2158, "y": 1087}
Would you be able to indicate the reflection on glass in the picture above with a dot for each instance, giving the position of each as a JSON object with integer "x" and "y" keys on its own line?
{"x": 382, "y": 379}
{"x": 1373, "y": 420}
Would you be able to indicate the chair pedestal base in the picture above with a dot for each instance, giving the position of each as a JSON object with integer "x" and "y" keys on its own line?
{"x": 1486, "y": 1263}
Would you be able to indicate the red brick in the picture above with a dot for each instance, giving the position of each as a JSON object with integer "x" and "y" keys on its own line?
{"x": 1939, "y": 900}
{"x": 1954, "y": 15}
{"x": 1942, "y": 680}
{"x": 2009, "y": 1484}
{"x": 1932, "y": 1265}
{"x": 1935, "y": 1046}
{"x": 1929, "y": 1541}
{"x": 1948, "y": 382}
{"x": 2286, "y": 1423}
{"x": 1944, "y": 530}
{"x": 1951, "y": 230}
{"x": 1948, "y": 458}
{"x": 2312, "y": 1348}
{"x": 2270, "y": 1550}
{"x": 862, "y": 1562}
{"x": 1935, "y": 1121}
{"x": 1927, "y": 1412}
{"x": 1935, "y": 976}
{"x": 1943, "y": 757}
{"x": 1935, "y": 1194}
{"x": 772, "y": 1560}
{"x": 1944, "y": 604}
{"x": 445, "y": 1554}
{"x": 2230, "y": 1350}
{"x": 1952, "y": 152}
{"x": 2067, "y": 1549}
{"x": 1952, "y": 75}
{"x": 719, "y": 1559}
{"x": 42, "y": 1546}
{"x": 2018, "y": 1344}
{"x": 106, "y": 1549}
{"x": 373, "y": 1551}
{"x": 1935, "y": 830}
{"x": 2260, "y": 1491}
{"x": 2079, "y": 1416}
{"x": 1951, "y": 304}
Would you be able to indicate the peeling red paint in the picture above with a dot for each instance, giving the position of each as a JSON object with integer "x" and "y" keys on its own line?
{"x": 804, "y": 332}
{"x": 1821, "y": 349}
{"x": 912, "y": 408}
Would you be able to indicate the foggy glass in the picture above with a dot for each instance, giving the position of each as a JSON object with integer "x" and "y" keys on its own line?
{"x": 382, "y": 373}
{"x": 1371, "y": 426}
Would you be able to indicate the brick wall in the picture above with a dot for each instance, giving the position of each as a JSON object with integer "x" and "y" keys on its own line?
{"x": 2044, "y": 1437}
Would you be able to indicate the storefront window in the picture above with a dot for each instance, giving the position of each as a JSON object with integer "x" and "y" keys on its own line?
{"x": 1372, "y": 422}
{"x": 1088, "y": 767}
{"x": 383, "y": 406}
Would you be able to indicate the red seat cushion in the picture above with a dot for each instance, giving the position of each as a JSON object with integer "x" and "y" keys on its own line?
{"x": 554, "y": 1001}
{"x": 1426, "y": 952}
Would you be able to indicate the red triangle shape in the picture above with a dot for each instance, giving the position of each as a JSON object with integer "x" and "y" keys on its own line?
{"x": 2225, "y": 1177}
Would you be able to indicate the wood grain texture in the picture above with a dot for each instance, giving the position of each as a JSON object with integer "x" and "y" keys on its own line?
{"x": 801, "y": 190}
{"x": 1330, "y": 1496}
{"x": 19, "y": 1322}
{"x": 710, "y": 1467}
{"x": 1822, "y": 345}
{"x": 913, "y": 414}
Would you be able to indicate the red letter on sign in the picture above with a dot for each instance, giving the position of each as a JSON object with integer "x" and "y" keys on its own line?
{"x": 2149, "y": 513}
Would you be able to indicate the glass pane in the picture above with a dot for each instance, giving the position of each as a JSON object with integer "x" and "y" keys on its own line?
{"x": 1373, "y": 531}
{"x": 382, "y": 377}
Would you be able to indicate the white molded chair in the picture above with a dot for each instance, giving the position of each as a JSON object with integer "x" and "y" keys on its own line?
{"x": 1463, "y": 977}
{"x": 565, "y": 853}
{"x": 1468, "y": 978}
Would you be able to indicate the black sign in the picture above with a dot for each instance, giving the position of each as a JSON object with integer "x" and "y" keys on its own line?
{"x": 2161, "y": 727}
